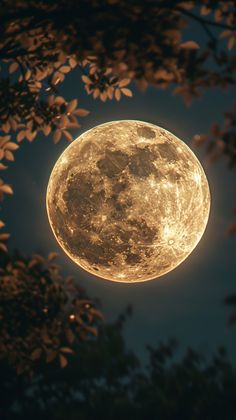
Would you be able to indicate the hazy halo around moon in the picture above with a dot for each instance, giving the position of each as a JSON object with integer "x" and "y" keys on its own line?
{"x": 128, "y": 201}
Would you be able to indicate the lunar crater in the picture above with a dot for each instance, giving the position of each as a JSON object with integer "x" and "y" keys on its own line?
{"x": 128, "y": 201}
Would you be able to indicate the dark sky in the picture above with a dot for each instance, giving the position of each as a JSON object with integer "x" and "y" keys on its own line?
{"x": 186, "y": 303}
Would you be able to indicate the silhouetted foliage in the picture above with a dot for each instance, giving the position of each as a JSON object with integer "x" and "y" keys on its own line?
{"x": 106, "y": 381}
{"x": 43, "y": 315}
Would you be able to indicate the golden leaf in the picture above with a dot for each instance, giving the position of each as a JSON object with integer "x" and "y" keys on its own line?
{"x": 70, "y": 335}
{"x": 3, "y": 247}
{"x": 57, "y": 136}
{"x": 103, "y": 96}
{"x": 124, "y": 82}
{"x": 36, "y": 354}
{"x": 110, "y": 92}
{"x": 205, "y": 10}
{"x": 20, "y": 136}
{"x": 50, "y": 356}
{"x": 59, "y": 100}
{"x": 71, "y": 105}
{"x": 9, "y": 155}
{"x": 72, "y": 62}
{"x": 85, "y": 79}
{"x": 126, "y": 92}
{"x": 52, "y": 256}
{"x": 4, "y": 236}
{"x": 13, "y": 67}
{"x": 6, "y": 189}
{"x": 189, "y": 45}
{"x": 66, "y": 350}
{"x": 6, "y": 127}
{"x": 117, "y": 94}
{"x": 92, "y": 330}
{"x": 81, "y": 112}
{"x": 12, "y": 146}
{"x": 96, "y": 93}
{"x": 225, "y": 33}
{"x": 63, "y": 361}
{"x": 46, "y": 130}
{"x": 67, "y": 135}
{"x": 65, "y": 69}
{"x": 218, "y": 15}
{"x": 2, "y": 167}
{"x": 231, "y": 42}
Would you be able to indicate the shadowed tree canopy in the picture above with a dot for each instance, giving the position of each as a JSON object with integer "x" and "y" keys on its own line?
{"x": 43, "y": 315}
{"x": 106, "y": 381}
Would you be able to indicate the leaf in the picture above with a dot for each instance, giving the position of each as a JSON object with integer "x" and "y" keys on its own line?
{"x": 52, "y": 256}
{"x": 12, "y": 146}
{"x": 6, "y": 189}
{"x": 110, "y": 92}
{"x": 57, "y": 136}
{"x": 46, "y": 130}
{"x": 96, "y": 313}
{"x": 32, "y": 263}
{"x": 126, "y": 92}
{"x": 103, "y": 96}
{"x": 205, "y": 10}
{"x": 218, "y": 15}
{"x": 117, "y": 94}
{"x": 225, "y": 33}
{"x": 81, "y": 112}
{"x": 67, "y": 135}
{"x": 3, "y": 247}
{"x": 51, "y": 355}
{"x": 2, "y": 167}
{"x": 20, "y": 136}
{"x": 191, "y": 45}
{"x": 4, "y": 236}
{"x": 9, "y": 155}
{"x": 59, "y": 100}
{"x": 6, "y": 127}
{"x": 92, "y": 330}
{"x": 187, "y": 5}
{"x": 27, "y": 74}
{"x": 2, "y": 224}
{"x": 72, "y": 62}
{"x": 96, "y": 93}
{"x": 1, "y": 154}
{"x": 36, "y": 354}
{"x": 124, "y": 82}
{"x": 66, "y": 350}
{"x": 63, "y": 361}
{"x": 86, "y": 79}
{"x": 72, "y": 105}
{"x": 231, "y": 42}
{"x": 13, "y": 67}
{"x": 65, "y": 69}
{"x": 70, "y": 335}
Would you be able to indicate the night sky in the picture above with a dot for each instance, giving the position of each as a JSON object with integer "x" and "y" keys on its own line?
{"x": 188, "y": 302}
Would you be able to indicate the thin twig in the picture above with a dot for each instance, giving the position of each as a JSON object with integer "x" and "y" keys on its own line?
{"x": 205, "y": 21}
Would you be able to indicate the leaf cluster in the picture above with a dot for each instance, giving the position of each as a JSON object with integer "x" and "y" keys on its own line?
{"x": 43, "y": 315}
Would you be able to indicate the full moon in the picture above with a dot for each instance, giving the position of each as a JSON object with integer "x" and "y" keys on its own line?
{"x": 128, "y": 201}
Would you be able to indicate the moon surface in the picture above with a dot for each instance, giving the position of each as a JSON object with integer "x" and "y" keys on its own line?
{"x": 128, "y": 201}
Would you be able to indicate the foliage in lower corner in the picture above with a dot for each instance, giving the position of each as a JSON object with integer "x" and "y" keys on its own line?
{"x": 43, "y": 316}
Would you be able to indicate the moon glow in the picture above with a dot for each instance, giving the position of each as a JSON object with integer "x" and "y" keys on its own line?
{"x": 128, "y": 201}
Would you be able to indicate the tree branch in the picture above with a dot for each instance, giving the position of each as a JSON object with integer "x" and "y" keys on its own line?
{"x": 204, "y": 21}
